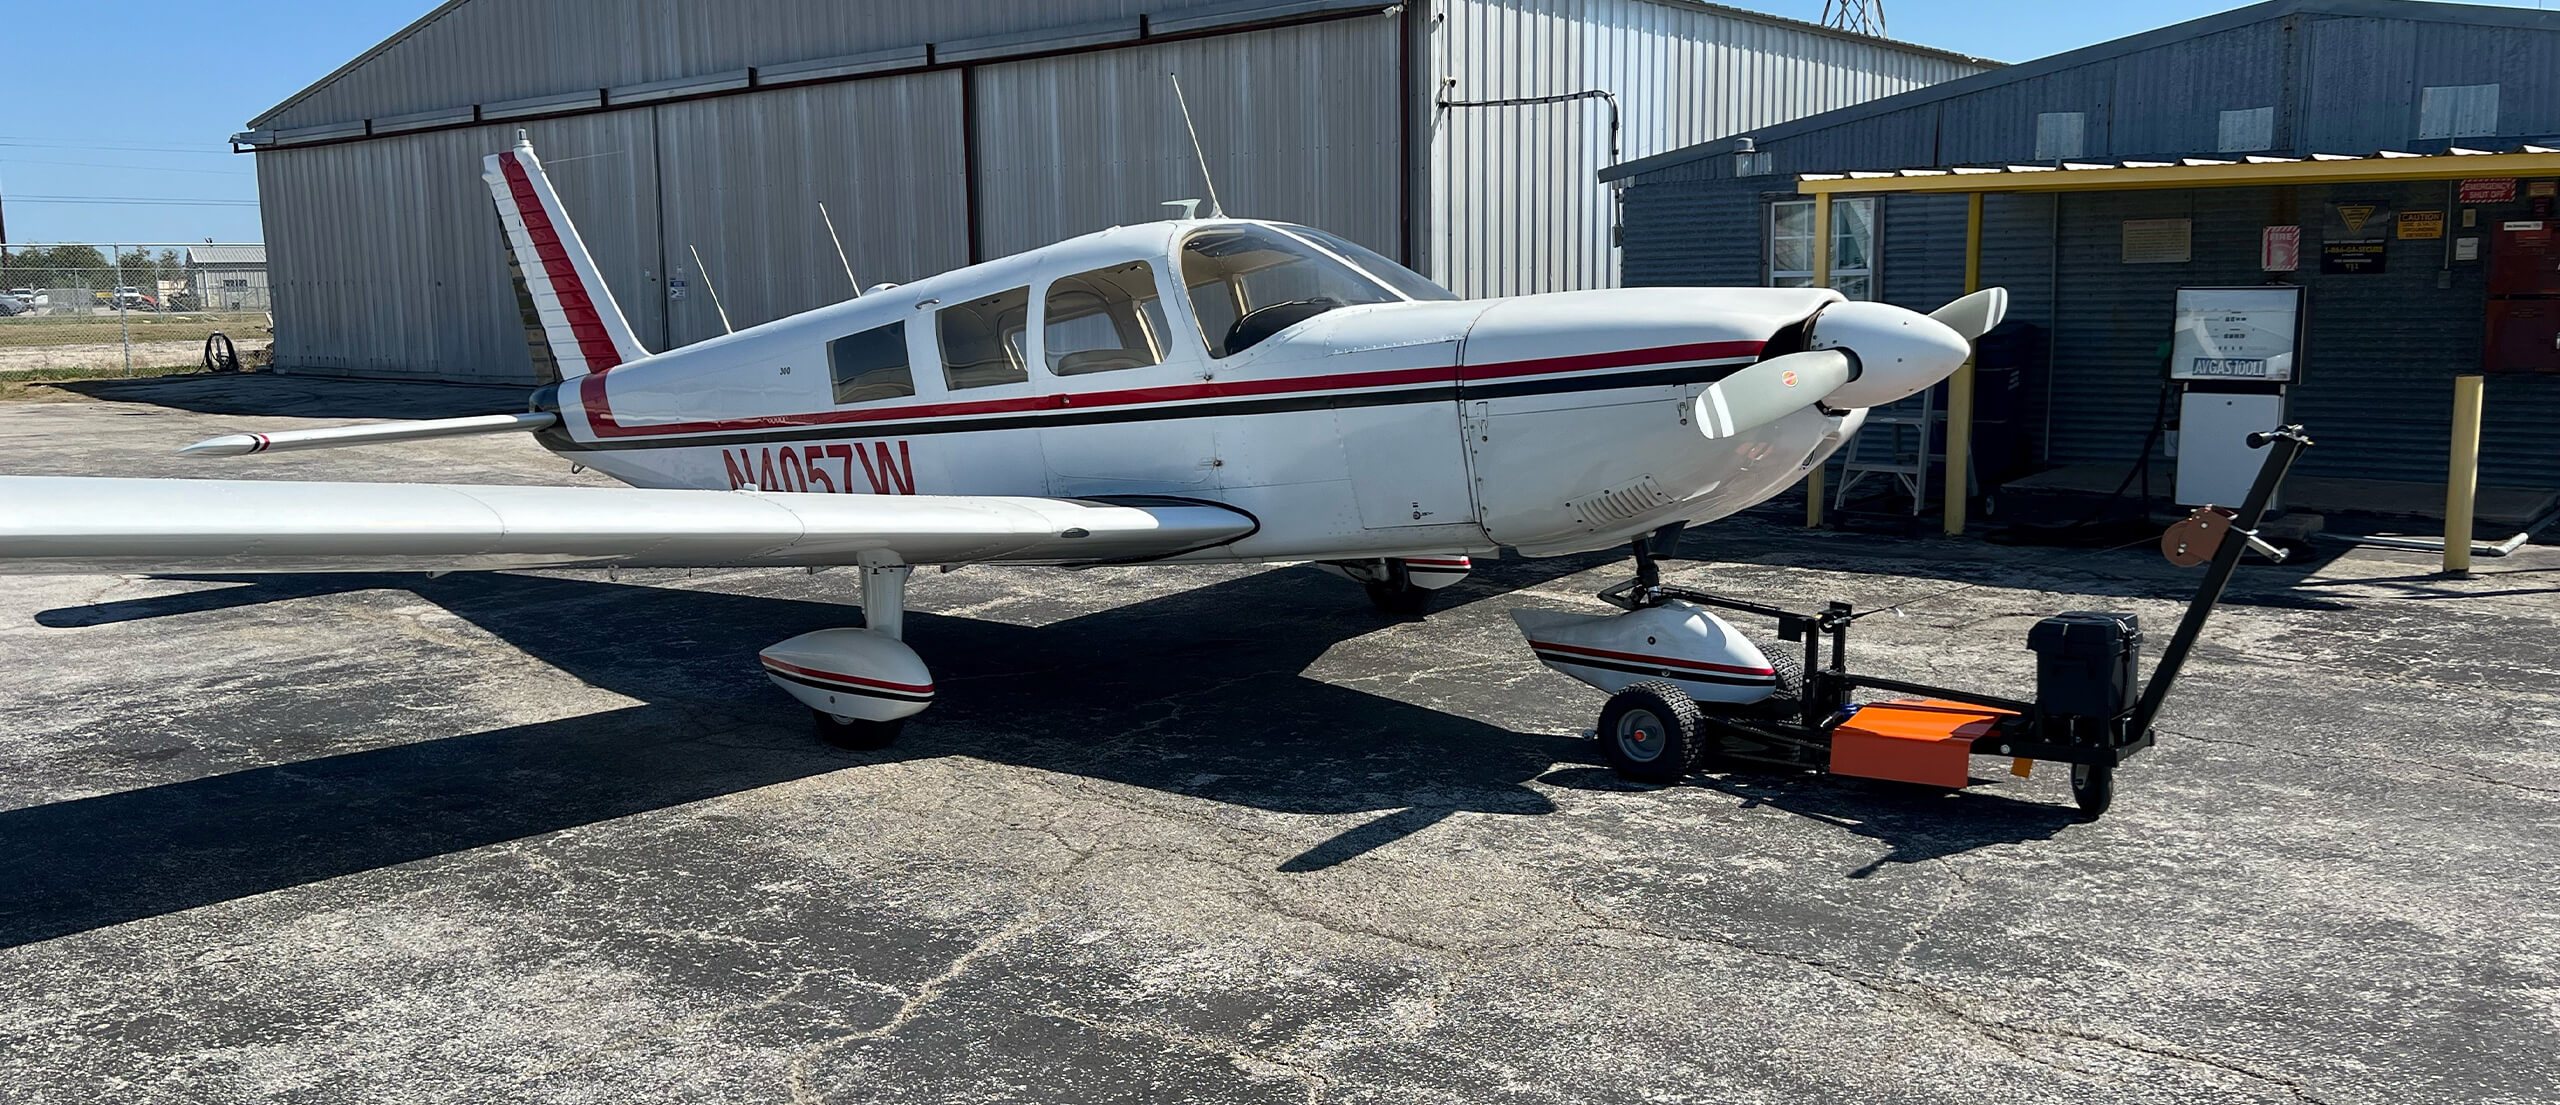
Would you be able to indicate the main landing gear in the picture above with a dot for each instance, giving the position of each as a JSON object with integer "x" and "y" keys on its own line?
{"x": 1402, "y": 586}
{"x": 861, "y": 685}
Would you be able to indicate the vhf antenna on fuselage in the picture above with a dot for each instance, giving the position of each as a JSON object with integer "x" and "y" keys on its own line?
{"x": 1216, "y": 210}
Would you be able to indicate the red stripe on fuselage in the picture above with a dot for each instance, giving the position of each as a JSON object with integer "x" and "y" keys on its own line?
{"x": 591, "y": 393}
{"x": 1657, "y": 661}
{"x": 594, "y": 344}
{"x": 813, "y": 673}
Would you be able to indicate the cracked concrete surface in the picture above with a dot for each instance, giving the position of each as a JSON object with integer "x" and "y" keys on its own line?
{"x": 1222, "y": 835}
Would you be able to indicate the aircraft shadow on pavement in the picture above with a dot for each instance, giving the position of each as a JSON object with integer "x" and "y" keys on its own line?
{"x": 1197, "y": 693}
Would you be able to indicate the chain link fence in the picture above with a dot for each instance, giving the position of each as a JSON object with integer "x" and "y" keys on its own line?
{"x": 129, "y": 309}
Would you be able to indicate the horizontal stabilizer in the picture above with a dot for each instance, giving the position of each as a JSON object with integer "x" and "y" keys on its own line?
{"x": 286, "y": 441}
{"x": 80, "y": 525}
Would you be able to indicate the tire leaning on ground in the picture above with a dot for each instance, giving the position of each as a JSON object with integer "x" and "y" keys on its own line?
{"x": 1649, "y": 733}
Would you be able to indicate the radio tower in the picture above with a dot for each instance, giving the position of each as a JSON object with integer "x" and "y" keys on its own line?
{"x": 1864, "y": 17}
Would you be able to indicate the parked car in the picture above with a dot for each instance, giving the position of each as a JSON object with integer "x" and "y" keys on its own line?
{"x": 26, "y": 297}
{"x": 11, "y": 308}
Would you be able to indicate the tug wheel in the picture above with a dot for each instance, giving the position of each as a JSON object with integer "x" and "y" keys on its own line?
{"x": 1789, "y": 697}
{"x": 1649, "y": 733}
{"x": 2094, "y": 787}
{"x": 855, "y": 734}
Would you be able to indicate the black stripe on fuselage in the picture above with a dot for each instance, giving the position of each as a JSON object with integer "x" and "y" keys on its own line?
{"x": 1676, "y": 675}
{"x": 1070, "y": 416}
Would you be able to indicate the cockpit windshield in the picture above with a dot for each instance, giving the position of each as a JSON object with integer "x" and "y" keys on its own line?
{"x": 1249, "y": 282}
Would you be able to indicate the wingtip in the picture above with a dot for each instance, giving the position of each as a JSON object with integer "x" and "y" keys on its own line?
{"x": 231, "y": 446}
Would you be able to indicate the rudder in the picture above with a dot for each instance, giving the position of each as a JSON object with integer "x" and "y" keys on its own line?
{"x": 580, "y": 321}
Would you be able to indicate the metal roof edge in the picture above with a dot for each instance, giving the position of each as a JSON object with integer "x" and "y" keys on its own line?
{"x": 379, "y": 48}
{"x": 2234, "y": 19}
{"x": 1791, "y": 24}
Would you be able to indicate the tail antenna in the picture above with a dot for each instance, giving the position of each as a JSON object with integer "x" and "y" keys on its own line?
{"x": 714, "y": 289}
{"x": 1216, "y": 210}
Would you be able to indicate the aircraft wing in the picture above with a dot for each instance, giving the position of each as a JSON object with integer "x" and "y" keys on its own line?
{"x": 75, "y": 525}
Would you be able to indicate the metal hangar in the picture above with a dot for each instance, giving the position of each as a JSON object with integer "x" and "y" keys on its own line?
{"x": 1463, "y": 136}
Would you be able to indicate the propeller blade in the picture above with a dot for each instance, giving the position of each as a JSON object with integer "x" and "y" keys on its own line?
{"x": 1975, "y": 315}
{"x": 1769, "y": 391}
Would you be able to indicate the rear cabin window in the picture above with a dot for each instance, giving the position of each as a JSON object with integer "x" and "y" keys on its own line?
{"x": 871, "y": 365}
{"x": 982, "y": 340}
{"x": 1103, "y": 321}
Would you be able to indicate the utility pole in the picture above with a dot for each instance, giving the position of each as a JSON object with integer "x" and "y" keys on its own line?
{"x": 1865, "y": 17}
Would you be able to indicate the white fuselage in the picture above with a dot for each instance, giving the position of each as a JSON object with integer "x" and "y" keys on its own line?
{"x": 1552, "y": 423}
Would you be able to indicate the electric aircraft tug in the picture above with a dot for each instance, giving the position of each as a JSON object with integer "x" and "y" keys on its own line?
{"x": 1178, "y": 392}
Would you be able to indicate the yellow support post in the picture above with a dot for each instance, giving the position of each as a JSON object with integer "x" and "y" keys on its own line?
{"x": 2462, "y": 479}
{"x": 1821, "y": 279}
{"x": 1960, "y": 388}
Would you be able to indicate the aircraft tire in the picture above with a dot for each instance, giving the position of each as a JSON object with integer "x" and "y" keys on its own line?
{"x": 856, "y": 735}
{"x": 1649, "y": 733}
{"x": 2093, "y": 786}
{"x": 1401, "y": 600}
{"x": 1397, "y": 595}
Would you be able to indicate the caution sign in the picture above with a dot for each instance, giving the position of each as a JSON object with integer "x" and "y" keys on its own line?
{"x": 2421, "y": 224}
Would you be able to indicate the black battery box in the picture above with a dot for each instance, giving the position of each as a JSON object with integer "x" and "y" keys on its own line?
{"x": 2085, "y": 661}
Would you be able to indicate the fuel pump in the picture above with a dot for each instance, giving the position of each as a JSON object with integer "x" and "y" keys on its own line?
{"x": 2233, "y": 356}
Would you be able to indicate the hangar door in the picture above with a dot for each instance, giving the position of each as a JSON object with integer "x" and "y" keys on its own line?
{"x": 1297, "y": 123}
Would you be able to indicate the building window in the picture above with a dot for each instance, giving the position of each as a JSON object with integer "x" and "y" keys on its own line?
{"x": 2060, "y": 135}
{"x": 1103, "y": 320}
{"x": 2248, "y": 129}
{"x": 1853, "y": 245}
{"x": 871, "y": 365}
{"x": 982, "y": 340}
{"x": 2458, "y": 111}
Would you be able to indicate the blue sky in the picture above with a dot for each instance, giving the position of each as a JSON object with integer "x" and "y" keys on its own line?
{"x": 205, "y": 69}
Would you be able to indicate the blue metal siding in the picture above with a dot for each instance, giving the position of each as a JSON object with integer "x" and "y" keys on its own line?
{"x": 2170, "y": 101}
{"x": 2360, "y": 94}
{"x": 1694, "y": 234}
{"x": 2526, "y": 68}
{"x": 1999, "y": 124}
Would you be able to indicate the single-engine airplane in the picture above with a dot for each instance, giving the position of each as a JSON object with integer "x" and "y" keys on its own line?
{"x": 1178, "y": 392}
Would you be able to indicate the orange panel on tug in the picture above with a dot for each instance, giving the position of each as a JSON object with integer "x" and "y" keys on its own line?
{"x": 1921, "y": 740}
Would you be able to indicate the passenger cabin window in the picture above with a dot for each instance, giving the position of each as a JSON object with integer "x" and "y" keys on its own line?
{"x": 1103, "y": 321}
{"x": 871, "y": 365}
{"x": 1249, "y": 282}
{"x": 982, "y": 340}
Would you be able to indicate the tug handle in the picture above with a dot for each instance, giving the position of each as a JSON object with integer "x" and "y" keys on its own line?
{"x": 2285, "y": 443}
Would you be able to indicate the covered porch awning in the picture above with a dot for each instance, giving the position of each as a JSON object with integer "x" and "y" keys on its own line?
{"x": 2253, "y": 171}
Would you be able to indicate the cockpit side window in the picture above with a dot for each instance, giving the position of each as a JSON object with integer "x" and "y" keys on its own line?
{"x": 871, "y": 365}
{"x": 1103, "y": 321}
{"x": 1250, "y": 282}
{"x": 982, "y": 340}
{"x": 1412, "y": 284}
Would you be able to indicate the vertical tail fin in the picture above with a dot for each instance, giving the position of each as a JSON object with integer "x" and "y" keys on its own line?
{"x": 580, "y": 321}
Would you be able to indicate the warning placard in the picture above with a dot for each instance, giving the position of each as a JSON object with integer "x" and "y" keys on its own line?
{"x": 2487, "y": 190}
{"x": 2421, "y": 224}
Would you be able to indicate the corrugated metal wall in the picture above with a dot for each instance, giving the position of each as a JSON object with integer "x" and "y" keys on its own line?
{"x": 486, "y": 51}
{"x": 742, "y": 178}
{"x": 1515, "y": 205}
{"x": 2378, "y": 360}
{"x": 385, "y": 255}
{"x": 1297, "y": 124}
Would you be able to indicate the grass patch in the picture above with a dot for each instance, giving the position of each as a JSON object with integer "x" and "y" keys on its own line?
{"x": 30, "y": 331}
